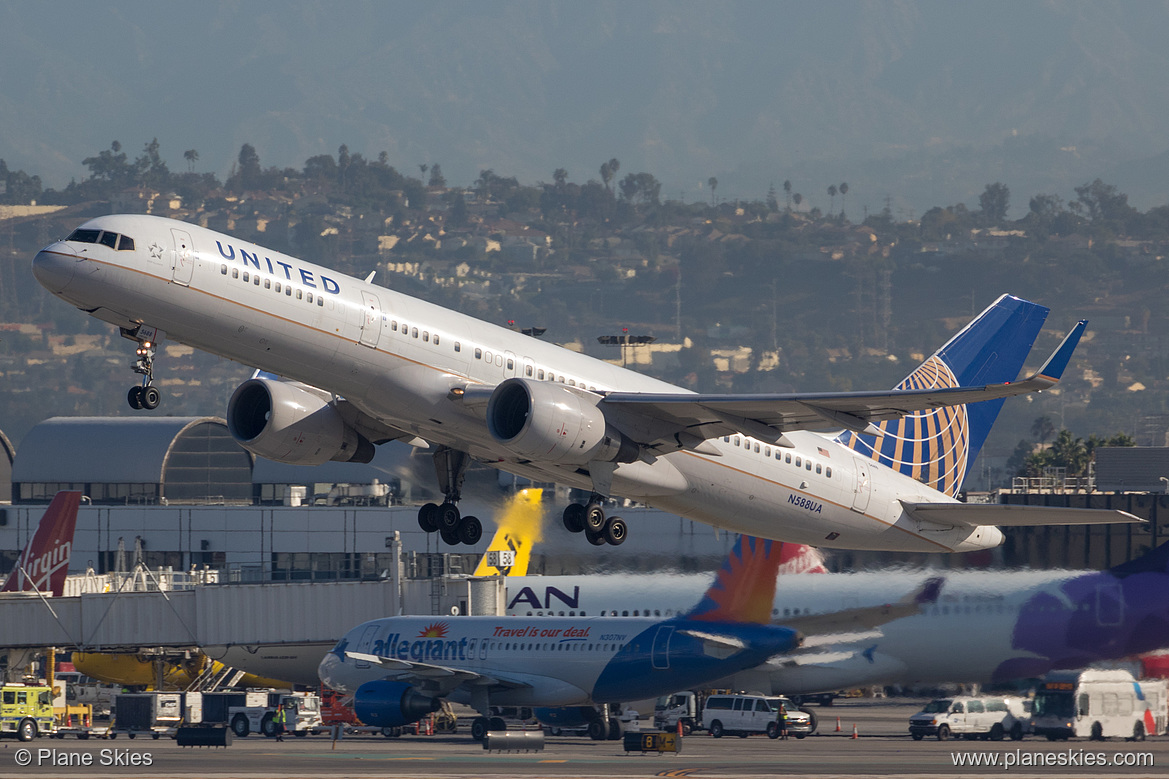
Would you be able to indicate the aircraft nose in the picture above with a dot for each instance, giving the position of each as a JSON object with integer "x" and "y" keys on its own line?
{"x": 54, "y": 268}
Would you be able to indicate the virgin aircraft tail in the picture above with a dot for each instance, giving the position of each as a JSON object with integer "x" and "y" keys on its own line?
{"x": 44, "y": 563}
{"x": 938, "y": 446}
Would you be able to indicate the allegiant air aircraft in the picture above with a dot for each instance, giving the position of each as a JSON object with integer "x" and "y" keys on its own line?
{"x": 986, "y": 626}
{"x": 400, "y": 668}
{"x": 363, "y": 364}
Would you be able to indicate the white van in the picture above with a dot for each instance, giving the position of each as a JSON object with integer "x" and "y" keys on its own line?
{"x": 1099, "y": 705}
{"x": 742, "y": 715}
{"x": 986, "y": 717}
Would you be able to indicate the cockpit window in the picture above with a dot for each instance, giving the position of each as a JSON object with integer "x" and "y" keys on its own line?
{"x": 84, "y": 236}
{"x": 122, "y": 243}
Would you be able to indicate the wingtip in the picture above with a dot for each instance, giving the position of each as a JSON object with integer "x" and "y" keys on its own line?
{"x": 1057, "y": 363}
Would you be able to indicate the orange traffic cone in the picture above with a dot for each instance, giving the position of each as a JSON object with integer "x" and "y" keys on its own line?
{"x": 679, "y": 728}
{"x": 854, "y": 733}
{"x": 838, "y": 724}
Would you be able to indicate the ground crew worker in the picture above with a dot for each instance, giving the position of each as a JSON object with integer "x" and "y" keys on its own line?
{"x": 279, "y": 722}
{"x": 782, "y": 722}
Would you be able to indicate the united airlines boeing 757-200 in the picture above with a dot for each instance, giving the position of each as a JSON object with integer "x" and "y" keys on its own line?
{"x": 348, "y": 365}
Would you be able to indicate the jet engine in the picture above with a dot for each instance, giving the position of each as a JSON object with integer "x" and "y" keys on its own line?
{"x": 554, "y": 423}
{"x": 391, "y": 704}
{"x": 287, "y": 423}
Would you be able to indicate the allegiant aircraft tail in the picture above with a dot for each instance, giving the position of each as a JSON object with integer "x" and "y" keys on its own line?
{"x": 939, "y": 446}
{"x": 744, "y": 588}
{"x": 44, "y": 563}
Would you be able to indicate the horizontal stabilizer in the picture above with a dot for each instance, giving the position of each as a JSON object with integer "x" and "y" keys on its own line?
{"x": 979, "y": 514}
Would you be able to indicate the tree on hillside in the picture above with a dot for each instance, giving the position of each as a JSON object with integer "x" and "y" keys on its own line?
{"x": 797, "y": 198}
{"x": 713, "y": 183}
{"x": 111, "y": 166}
{"x": 787, "y": 189}
{"x": 843, "y": 192}
{"x": 641, "y": 189}
{"x": 436, "y": 178}
{"x": 247, "y": 174}
{"x": 609, "y": 170}
{"x": 191, "y": 156}
{"x": 831, "y": 198}
{"x": 994, "y": 202}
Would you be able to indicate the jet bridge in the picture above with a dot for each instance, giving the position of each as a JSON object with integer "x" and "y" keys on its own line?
{"x": 229, "y": 614}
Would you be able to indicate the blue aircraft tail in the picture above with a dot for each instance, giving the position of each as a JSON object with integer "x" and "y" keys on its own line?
{"x": 1154, "y": 561}
{"x": 939, "y": 446}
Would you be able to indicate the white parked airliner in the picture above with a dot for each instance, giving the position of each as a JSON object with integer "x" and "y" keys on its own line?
{"x": 362, "y": 364}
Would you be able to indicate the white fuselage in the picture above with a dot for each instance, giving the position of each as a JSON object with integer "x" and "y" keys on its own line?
{"x": 397, "y": 358}
{"x": 963, "y": 637}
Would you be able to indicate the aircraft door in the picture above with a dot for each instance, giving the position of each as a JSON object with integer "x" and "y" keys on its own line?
{"x": 661, "y": 647}
{"x": 864, "y": 485}
{"x": 363, "y": 645}
{"x": 184, "y": 257}
{"x": 371, "y": 319}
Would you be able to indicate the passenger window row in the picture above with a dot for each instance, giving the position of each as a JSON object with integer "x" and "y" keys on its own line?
{"x": 289, "y": 290}
{"x": 780, "y": 455}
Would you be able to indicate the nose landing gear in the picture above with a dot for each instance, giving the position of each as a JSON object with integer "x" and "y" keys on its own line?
{"x": 591, "y": 520}
{"x": 144, "y": 395}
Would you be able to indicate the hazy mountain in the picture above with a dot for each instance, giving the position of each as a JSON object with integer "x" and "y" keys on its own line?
{"x": 923, "y": 102}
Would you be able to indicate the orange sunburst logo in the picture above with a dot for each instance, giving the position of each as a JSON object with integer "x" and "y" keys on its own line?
{"x": 434, "y": 630}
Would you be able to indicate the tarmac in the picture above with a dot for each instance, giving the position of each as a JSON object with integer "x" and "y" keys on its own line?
{"x": 882, "y": 748}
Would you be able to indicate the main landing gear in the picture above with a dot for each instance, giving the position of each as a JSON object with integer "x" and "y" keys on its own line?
{"x": 144, "y": 395}
{"x": 591, "y": 519}
{"x": 454, "y": 528}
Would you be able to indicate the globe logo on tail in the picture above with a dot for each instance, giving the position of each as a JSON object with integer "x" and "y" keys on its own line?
{"x": 931, "y": 446}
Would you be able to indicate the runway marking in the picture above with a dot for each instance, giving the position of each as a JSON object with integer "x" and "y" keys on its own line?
{"x": 553, "y": 761}
{"x": 678, "y": 772}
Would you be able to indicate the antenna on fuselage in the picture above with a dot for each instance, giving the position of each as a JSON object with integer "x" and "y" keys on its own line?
{"x": 369, "y": 278}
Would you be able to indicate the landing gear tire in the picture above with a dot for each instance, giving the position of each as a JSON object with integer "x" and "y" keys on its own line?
{"x": 428, "y": 517}
{"x": 479, "y": 728}
{"x": 594, "y": 517}
{"x": 574, "y": 517}
{"x": 449, "y": 536}
{"x": 496, "y": 724}
{"x": 616, "y": 730}
{"x": 470, "y": 530}
{"x": 134, "y": 397}
{"x": 595, "y": 538}
{"x": 151, "y": 397}
{"x": 448, "y": 516}
{"x": 615, "y": 531}
{"x": 598, "y": 730}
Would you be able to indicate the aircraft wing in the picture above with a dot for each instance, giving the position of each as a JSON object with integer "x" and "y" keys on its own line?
{"x": 688, "y": 419}
{"x": 445, "y": 676}
{"x": 865, "y": 618}
{"x": 976, "y": 514}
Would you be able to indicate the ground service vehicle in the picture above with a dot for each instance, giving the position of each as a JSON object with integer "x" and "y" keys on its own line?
{"x": 1099, "y": 705}
{"x": 742, "y": 715}
{"x": 256, "y": 712}
{"x": 987, "y": 717}
{"x": 26, "y": 711}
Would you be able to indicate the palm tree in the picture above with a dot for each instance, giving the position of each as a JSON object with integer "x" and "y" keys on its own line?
{"x": 797, "y": 198}
{"x": 843, "y": 191}
{"x": 191, "y": 156}
{"x": 713, "y": 182}
{"x": 787, "y": 188}
{"x": 832, "y": 198}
